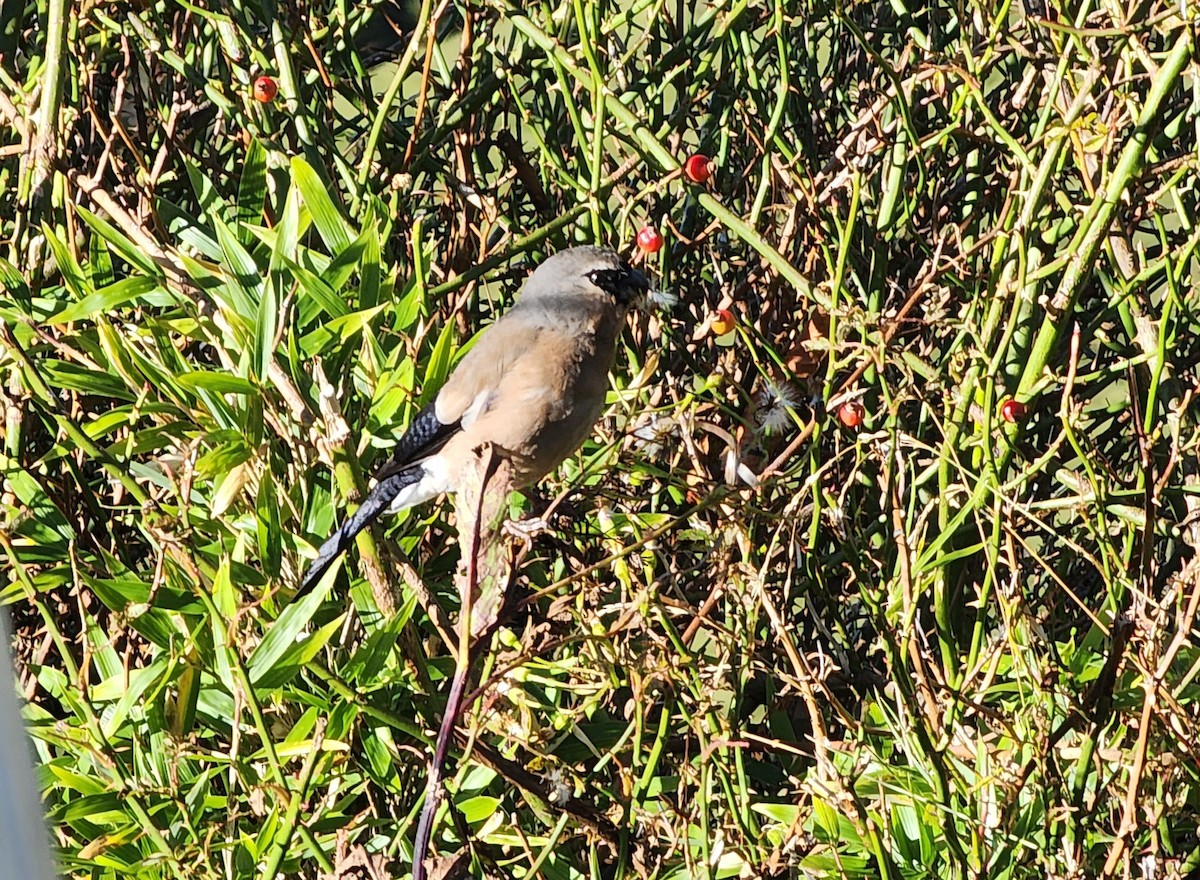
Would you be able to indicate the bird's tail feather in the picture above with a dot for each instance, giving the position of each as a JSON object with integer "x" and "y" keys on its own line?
{"x": 376, "y": 502}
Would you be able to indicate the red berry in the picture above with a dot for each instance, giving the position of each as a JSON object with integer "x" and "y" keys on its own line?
{"x": 851, "y": 413}
{"x": 698, "y": 168}
{"x": 722, "y": 322}
{"x": 1012, "y": 410}
{"x": 265, "y": 89}
{"x": 649, "y": 239}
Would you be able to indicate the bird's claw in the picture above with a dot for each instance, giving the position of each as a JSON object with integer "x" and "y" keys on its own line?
{"x": 525, "y": 530}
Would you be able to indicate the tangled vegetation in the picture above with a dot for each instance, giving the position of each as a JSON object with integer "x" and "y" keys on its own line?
{"x": 894, "y": 576}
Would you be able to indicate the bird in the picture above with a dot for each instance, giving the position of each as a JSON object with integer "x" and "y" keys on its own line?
{"x": 533, "y": 385}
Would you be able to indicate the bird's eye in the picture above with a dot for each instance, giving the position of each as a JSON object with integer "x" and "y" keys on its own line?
{"x": 608, "y": 280}
{"x": 623, "y": 284}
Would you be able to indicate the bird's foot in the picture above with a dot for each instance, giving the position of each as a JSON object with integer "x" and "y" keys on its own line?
{"x": 525, "y": 530}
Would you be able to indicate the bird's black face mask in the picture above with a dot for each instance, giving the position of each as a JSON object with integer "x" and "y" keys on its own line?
{"x": 624, "y": 284}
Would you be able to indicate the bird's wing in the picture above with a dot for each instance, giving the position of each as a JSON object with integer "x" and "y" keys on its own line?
{"x": 425, "y": 436}
{"x": 473, "y": 384}
{"x": 468, "y": 392}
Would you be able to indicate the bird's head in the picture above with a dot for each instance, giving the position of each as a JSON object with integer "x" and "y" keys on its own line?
{"x": 591, "y": 271}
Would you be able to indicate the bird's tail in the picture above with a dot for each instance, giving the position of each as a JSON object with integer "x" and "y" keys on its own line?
{"x": 377, "y": 501}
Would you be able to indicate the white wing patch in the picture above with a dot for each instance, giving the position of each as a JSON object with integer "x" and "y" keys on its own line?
{"x": 476, "y": 409}
{"x": 434, "y": 482}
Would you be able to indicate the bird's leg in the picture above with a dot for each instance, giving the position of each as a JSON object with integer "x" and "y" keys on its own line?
{"x": 526, "y": 529}
{"x": 543, "y": 511}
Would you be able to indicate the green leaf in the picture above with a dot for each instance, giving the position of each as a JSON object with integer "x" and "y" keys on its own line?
{"x": 100, "y": 268}
{"x": 292, "y": 225}
{"x": 12, "y": 282}
{"x": 215, "y": 208}
{"x": 265, "y": 327}
{"x": 130, "y": 252}
{"x": 333, "y": 229}
{"x": 128, "y": 689}
{"x": 42, "y": 516}
{"x": 252, "y": 189}
{"x": 187, "y": 229}
{"x": 276, "y": 671}
{"x": 86, "y": 381}
{"x": 102, "y": 809}
{"x": 477, "y": 809}
{"x": 221, "y": 383}
{"x": 345, "y": 264}
{"x": 224, "y": 594}
{"x": 784, "y": 814}
{"x": 312, "y": 287}
{"x": 106, "y": 299}
{"x": 284, "y": 634}
{"x": 371, "y": 658}
{"x": 182, "y": 713}
{"x": 229, "y": 489}
{"x": 370, "y": 269}
{"x": 246, "y": 281}
{"x": 229, "y": 449}
{"x": 70, "y": 270}
{"x": 270, "y": 529}
{"x": 409, "y": 308}
{"x": 439, "y": 363}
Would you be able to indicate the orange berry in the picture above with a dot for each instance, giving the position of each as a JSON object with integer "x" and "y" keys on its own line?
{"x": 649, "y": 239}
{"x": 722, "y": 322}
{"x": 698, "y": 168}
{"x": 265, "y": 90}
{"x": 1012, "y": 410}
{"x": 851, "y": 414}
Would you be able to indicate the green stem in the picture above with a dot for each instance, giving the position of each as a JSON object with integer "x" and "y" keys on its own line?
{"x": 1099, "y": 217}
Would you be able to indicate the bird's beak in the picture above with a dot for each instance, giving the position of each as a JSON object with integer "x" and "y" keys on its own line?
{"x": 659, "y": 300}
{"x": 646, "y": 296}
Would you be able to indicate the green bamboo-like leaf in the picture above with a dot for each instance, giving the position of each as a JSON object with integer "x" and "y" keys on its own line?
{"x": 785, "y": 814}
{"x": 128, "y": 690}
{"x": 252, "y": 189}
{"x": 104, "y": 810}
{"x": 342, "y": 328}
{"x": 342, "y": 267}
{"x": 106, "y": 299}
{"x": 284, "y": 650}
{"x": 43, "y": 519}
{"x": 14, "y": 285}
{"x": 477, "y": 809}
{"x": 86, "y": 380}
{"x": 266, "y": 324}
{"x": 371, "y": 270}
{"x": 224, "y": 594}
{"x": 270, "y": 528}
{"x": 439, "y": 363}
{"x": 68, "y": 267}
{"x": 315, "y": 289}
{"x": 182, "y": 717}
{"x": 208, "y": 194}
{"x": 188, "y": 230}
{"x": 245, "y": 277}
{"x": 100, "y": 268}
{"x": 328, "y": 219}
{"x": 371, "y": 658}
{"x": 293, "y": 224}
{"x": 282, "y": 635}
{"x": 409, "y": 308}
{"x": 221, "y": 383}
{"x": 130, "y": 252}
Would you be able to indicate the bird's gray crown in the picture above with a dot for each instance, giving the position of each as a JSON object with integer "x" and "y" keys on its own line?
{"x": 586, "y": 268}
